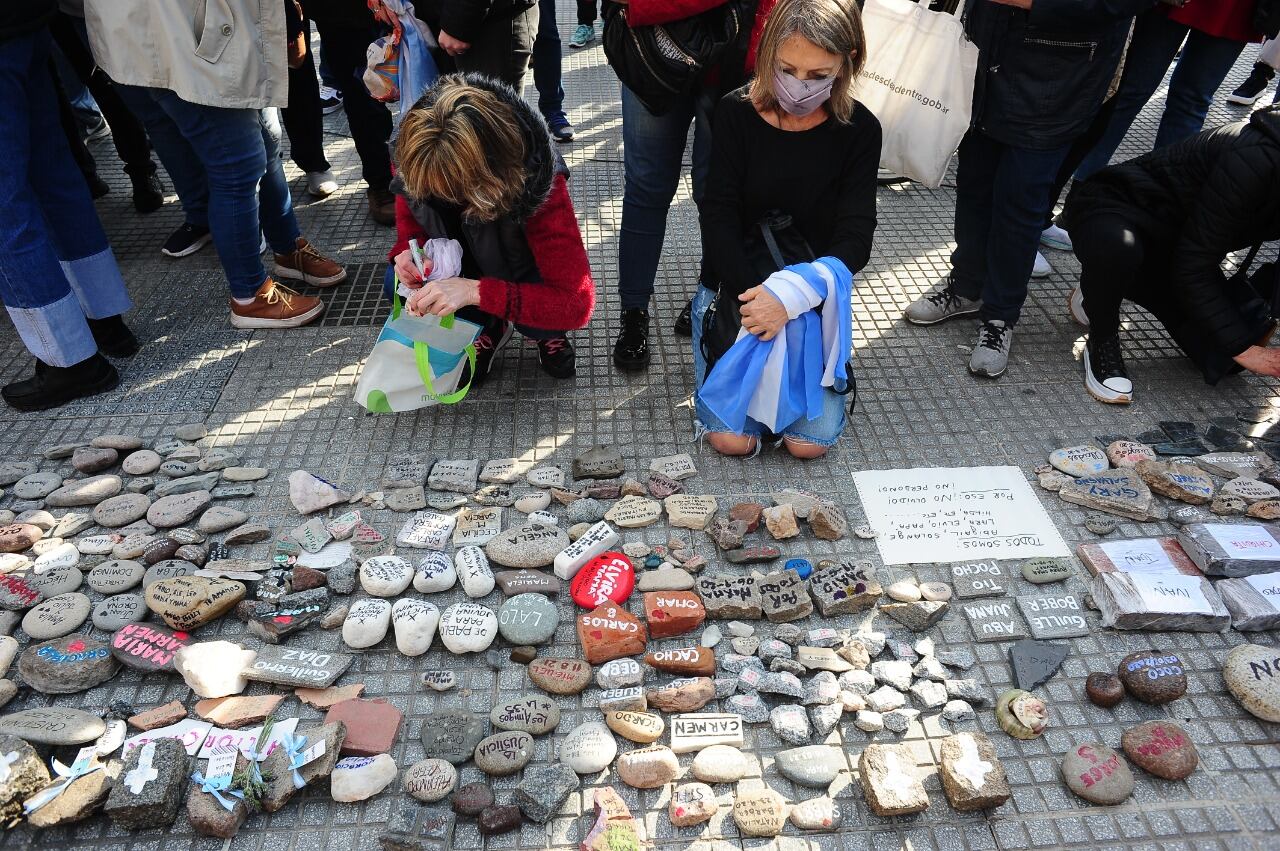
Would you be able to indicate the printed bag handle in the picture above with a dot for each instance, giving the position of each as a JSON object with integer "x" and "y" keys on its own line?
{"x": 422, "y": 356}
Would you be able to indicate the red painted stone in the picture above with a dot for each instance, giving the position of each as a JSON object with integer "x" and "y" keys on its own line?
{"x": 147, "y": 647}
{"x": 684, "y": 661}
{"x": 372, "y": 725}
{"x": 673, "y": 612}
{"x": 610, "y": 632}
{"x": 609, "y": 577}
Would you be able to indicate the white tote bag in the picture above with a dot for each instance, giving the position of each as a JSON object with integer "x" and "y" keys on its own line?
{"x": 918, "y": 81}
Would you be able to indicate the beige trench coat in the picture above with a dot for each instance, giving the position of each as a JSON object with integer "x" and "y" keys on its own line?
{"x": 228, "y": 53}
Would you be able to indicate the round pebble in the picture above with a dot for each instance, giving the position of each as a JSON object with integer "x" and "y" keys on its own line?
{"x": 588, "y": 748}
{"x": 1153, "y": 676}
{"x": 904, "y": 591}
{"x": 1252, "y": 674}
{"x": 1097, "y": 774}
{"x": 468, "y": 627}
{"x": 528, "y": 619}
{"x": 1161, "y": 748}
{"x": 504, "y": 753}
{"x": 1104, "y": 690}
{"x": 430, "y": 780}
{"x": 385, "y": 576}
{"x": 935, "y": 592}
{"x": 56, "y": 616}
{"x": 1100, "y": 524}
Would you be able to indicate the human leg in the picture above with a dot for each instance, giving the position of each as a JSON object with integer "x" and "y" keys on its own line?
{"x": 1205, "y": 62}
{"x": 812, "y": 438}
{"x": 176, "y": 154}
{"x": 370, "y": 121}
{"x": 1156, "y": 40}
{"x": 55, "y": 264}
{"x": 1080, "y": 148}
{"x": 302, "y": 119}
{"x": 653, "y": 147}
{"x": 1112, "y": 256}
{"x": 1264, "y": 71}
{"x": 503, "y": 48}
{"x": 548, "y": 72}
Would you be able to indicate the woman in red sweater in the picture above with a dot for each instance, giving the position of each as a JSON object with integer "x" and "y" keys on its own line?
{"x": 1215, "y": 32}
{"x": 475, "y": 163}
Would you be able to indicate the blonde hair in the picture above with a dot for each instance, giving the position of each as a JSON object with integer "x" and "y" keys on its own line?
{"x": 831, "y": 25}
{"x": 462, "y": 144}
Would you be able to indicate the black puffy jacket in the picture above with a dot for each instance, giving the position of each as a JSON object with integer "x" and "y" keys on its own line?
{"x": 1198, "y": 200}
{"x": 1043, "y": 73}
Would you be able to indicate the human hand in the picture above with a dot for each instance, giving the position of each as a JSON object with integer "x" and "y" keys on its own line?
{"x": 451, "y": 45}
{"x": 407, "y": 270}
{"x": 762, "y": 313}
{"x": 440, "y": 298}
{"x": 1260, "y": 360}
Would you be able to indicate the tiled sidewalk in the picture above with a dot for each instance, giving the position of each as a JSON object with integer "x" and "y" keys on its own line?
{"x": 283, "y": 401}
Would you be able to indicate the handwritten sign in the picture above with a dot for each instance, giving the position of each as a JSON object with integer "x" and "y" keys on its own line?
{"x": 1245, "y": 540}
{"x": 246, "y": 741}
{"x": 1139, "y": 555}
{"x": 1171, "y": 593}
{"x": 1268, "y": 585}
{"x": 956, "y": 514}
{"x": 188, "y": 731}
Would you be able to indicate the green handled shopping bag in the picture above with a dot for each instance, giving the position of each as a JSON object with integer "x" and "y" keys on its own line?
{"x": 417, "y": 362}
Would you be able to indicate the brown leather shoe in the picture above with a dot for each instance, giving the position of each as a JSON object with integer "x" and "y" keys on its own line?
{"x": 309, "y": 266}
{"x": 276, "y": 306}
{"x": 382, "y": 206}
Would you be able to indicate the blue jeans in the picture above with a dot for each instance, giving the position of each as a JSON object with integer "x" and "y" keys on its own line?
{"x": 56, "y": 267}
{"x": 226, "y": 168}
{"x": 1206, "y": 60}
{"x": 824, "y": 431}
{"x": 1003, "y": 195}
{"x": 652, "y": 153}
{"x": 546, "y": 63}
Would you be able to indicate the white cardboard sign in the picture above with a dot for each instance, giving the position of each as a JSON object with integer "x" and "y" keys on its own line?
{"x": 1268, "y": 585}
{"x": 1139, "y": 555}
{"x": 1245, "y": 540}
{"x": 1171, "y": 592}
{"x": 952, "y": 514}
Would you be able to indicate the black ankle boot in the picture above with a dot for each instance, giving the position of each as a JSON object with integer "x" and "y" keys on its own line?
{"x": 631, "y": 351}
{"x": 113, "y": 337}
{"x": 52, "y": 386}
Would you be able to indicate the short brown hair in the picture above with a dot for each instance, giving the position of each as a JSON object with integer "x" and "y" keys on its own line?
{"x": 462, "y": 144}
{"x": 832, "y": 25}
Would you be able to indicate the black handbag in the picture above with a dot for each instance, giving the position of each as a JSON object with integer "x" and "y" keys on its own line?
{"x": 661, "y": 62}
{"x": 772, "y": 244}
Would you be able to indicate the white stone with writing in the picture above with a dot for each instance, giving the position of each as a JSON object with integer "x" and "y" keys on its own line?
{"x": 598, "y": 538}
{"x": 426, "y": 530}
{"x": 693, "y": 732}
{"x": 473, "y": 571}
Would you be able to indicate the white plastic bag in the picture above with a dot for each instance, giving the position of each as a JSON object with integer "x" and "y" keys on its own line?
{"x": 418, "y": 362}
{"x": 918, "y": 81}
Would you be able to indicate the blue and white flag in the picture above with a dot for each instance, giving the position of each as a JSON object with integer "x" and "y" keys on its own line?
{"x": 777, "y": 382}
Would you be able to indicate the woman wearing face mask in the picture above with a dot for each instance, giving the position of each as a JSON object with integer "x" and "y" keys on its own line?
{"x": 794, "y": 140}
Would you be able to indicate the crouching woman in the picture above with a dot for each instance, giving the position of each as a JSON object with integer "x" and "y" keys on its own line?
{"x": 476, "y": 164}
{"x": 794, "y": 155}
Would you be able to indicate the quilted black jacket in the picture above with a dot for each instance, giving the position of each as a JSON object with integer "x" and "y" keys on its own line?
{"x": 1199, "y": 200}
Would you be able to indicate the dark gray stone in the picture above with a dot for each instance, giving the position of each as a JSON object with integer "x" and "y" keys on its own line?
{"x": 413, "y": 827}
{"x": 545, "y": 787}
{"x": 452, "y": 735}
{"x": 149, "y": 789}
{"x": 1033, "y": 663}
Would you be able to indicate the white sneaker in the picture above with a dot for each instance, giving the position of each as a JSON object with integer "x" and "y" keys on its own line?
{"x": 1105, "y": 377}
{"x": 1041, "y": 269}
{"x": 1056, "y": 238}
{"x": 321, "y": 184}
{"x": 1075, "y": 304}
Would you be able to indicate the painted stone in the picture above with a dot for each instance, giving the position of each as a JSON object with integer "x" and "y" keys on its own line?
{"x": 609, "y": 632}
{"x": 609, "y": 577}
{"x": 66, "y": 665}
{"x": 560, "y": 676}
{"x": 671, "y": 613}
{"x": 1097, "y": 774}
{"x": 147, "y": 647}
{"x": 1161, "y": 748}
{"x": 973, "y": 777}
{"x": 532, "y": 714}
{"x": 890, "y": 782}
{"x": 528, "y": 619}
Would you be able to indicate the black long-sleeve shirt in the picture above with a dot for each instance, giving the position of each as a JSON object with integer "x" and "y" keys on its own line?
{"x": 824, "y": 177}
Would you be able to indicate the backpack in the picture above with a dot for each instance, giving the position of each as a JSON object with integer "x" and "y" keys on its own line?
{"x": 662, "y": 62}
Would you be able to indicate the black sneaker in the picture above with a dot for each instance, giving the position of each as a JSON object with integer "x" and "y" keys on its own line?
{"x": 557, "y": 357}
{"x": 188, "y": 239}
{"x": 113, "y": 337}
{"x": 1104, "y": 374}
{"x": 488, "y": 344}
{"x": 684, "y": 322}
{"x": 631, "y": 351}
{"x": 148, "y": 192}
{"x": 560, "y": 128}
{"x": 1248, "y": 92}
{"x": 53, "y": 386}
